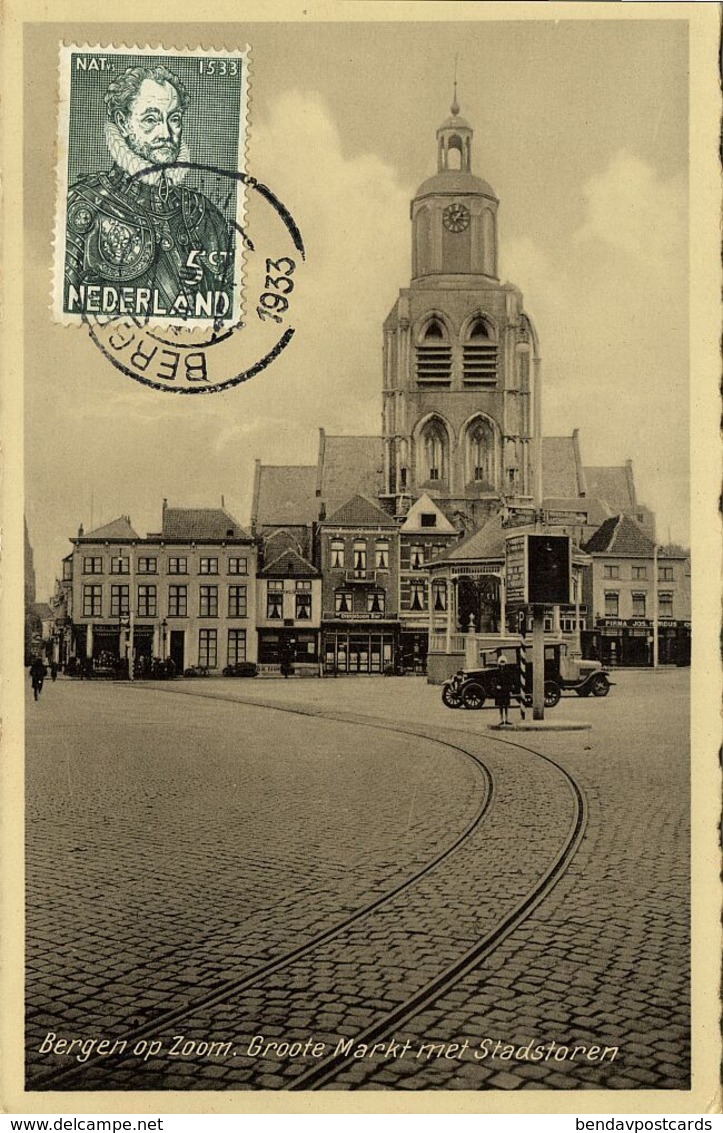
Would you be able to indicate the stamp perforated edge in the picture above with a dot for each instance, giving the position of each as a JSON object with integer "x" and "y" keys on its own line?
{"x": 57, "y": 266}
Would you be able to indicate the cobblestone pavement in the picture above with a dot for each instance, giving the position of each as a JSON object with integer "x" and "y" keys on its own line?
{"x": 183, "y": 875}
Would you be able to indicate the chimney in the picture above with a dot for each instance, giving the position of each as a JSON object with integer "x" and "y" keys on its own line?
{"x": 223, "y": 503}
{"x": 80, "y": 531}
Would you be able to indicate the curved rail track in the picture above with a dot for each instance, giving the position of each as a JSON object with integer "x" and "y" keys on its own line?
{"x": 324, "y": 1072}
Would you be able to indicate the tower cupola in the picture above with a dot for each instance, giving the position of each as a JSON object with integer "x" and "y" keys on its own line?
{"x": 454, "y": 213}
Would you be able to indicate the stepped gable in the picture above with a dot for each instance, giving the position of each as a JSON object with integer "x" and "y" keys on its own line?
{"x": 200, "y": 523}
{"x": 359, "y": 511}
{"x": 348, "y": 465}
{"x": 119, "y": 528}
{"x": 285, "y": 495}
{"x": 621, "y": 535}
{"x": 289, "y": 562}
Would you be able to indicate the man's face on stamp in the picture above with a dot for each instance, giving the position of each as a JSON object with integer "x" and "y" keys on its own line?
{"x": 143, "y": 234}
{"x": 153, "y": 123}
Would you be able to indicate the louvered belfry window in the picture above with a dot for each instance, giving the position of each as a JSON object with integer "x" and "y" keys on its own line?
{"x": 479, "y": 357}
{"x": 434, "y": 356}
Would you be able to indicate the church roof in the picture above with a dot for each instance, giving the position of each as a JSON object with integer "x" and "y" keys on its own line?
{"x": 285, "y": 494}
{"x": 289, "y": 562}
{"x": 348, "y": 465}
{"x": 612, "y": 485}
{"x": 200, "y": 523}
{"x": 119, "y": 528}
{"x": 620, "y": 535}
{"x": 560, "y": 467}
{"x": 358, "y": 511}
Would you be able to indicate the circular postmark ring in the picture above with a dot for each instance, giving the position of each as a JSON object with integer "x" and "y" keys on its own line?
{"x": 99, "y": 330}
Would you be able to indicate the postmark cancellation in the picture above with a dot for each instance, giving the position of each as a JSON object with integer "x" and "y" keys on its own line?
{"x": 147, "y": 227}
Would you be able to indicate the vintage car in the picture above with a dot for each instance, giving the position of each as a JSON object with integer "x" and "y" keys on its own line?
{"x": 471, "y": 688}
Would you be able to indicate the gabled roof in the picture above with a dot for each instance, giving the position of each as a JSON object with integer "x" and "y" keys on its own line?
{"x": 285, "y": 494}
{"x": 620, "y": 535}
{"x": 200, "y": 523}
{"x": 561, "y": 470}
{"x": 358, "y": 511}
{"x": 347, "y": 465}
{"x": 119, "y": 528}
{"x": 613, "y": 486}
{"x": 426, "y": 506}
{"x": 290, "y": 563}
{"x": 487, "y": 543}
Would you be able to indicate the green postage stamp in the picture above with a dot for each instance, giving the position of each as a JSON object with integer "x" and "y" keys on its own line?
{"x": 150, "y": 204}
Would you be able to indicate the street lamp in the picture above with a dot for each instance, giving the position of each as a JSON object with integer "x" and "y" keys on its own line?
{"x": 124, "y": 622}
{"x": 164, "y": 630}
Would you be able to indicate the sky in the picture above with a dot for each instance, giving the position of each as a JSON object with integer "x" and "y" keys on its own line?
{"x": 581, "y": 128}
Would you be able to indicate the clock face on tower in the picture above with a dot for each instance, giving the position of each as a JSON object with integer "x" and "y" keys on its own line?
{"x": 455, "y": 218}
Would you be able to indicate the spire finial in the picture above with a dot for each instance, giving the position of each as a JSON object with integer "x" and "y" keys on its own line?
{"x": 455, "y": 105}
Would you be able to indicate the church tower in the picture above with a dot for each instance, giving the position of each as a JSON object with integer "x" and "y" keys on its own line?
{"x": 461, "y": 363}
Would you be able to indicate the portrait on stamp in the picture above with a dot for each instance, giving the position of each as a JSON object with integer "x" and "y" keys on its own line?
{"x": 147, "y": 230}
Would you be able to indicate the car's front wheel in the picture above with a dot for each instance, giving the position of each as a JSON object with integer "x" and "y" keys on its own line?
{"x": 552, "y": 694}
{"x": 600, "y": 686}
{"x": 451, "y": 698}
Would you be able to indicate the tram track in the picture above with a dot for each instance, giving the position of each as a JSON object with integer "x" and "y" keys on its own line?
{"x": 328, "y": 1069}
{"x": 231, "y": 987}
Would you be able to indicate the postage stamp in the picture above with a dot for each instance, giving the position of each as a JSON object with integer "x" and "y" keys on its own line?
{"x": 145, "y": 228}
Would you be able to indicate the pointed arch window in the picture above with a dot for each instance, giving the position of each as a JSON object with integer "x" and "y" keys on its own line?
{"x": 479, "y": 356}
{"x": 481, "y": 454}
{"x": 434, "y": 452}
{"x": 434, "y": 355}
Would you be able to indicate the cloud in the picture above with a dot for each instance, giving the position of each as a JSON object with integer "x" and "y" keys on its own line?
{"x": 631, "y": 209}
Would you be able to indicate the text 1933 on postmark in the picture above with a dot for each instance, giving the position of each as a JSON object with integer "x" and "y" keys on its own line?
{"x": 145, "y": 229}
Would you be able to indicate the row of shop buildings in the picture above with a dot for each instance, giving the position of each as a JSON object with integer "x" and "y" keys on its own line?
{"x": 355, "y": 592}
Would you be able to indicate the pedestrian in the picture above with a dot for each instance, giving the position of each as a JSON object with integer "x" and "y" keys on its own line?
{"x": 503, "y": 689}
{"x": 37, "y": 676}
{"x": 53, "y": 671}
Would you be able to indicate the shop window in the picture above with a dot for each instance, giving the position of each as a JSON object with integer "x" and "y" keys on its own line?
{"x": 207, "y": 648}
{"x": 237, "y": 601}
{"x": 209, "y": 602}
{"x": 177, "y": 601}
{"x": 119, "y": 601}
{"x": 612, "y": 604}
{"x": 337, "y": 554}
